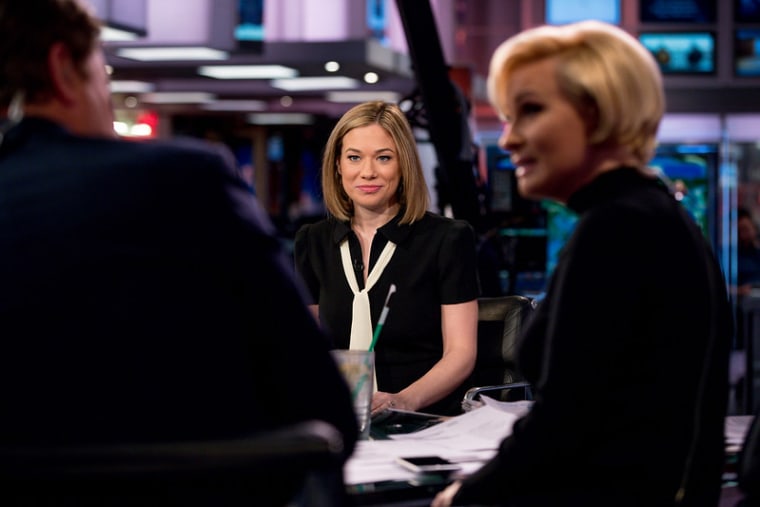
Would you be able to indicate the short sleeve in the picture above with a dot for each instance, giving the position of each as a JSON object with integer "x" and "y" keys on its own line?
{"x": 457, "y": 264}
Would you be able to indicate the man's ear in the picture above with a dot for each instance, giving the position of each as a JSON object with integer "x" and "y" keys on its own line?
{"x": 64, "y": 75}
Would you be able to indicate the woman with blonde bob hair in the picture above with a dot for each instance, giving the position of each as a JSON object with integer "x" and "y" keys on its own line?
{"x": 412, "y": 192}
{"x": 621, "y": 98}
{"x": 380, "y": 239}
{"x": 635, "y": 324}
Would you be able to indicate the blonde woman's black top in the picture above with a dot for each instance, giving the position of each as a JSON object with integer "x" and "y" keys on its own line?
{"x": 628, "y": 356}
{"x": 434, "y": 264}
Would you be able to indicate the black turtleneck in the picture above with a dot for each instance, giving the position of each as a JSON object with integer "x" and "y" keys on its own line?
{"x": 615, "y": 353}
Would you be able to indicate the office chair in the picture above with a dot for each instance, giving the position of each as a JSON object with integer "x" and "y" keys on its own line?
{"x": 500, "y": 320}
{"x": 297, "y": 466}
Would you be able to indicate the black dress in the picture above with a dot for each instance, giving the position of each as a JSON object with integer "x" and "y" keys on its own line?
{"x": 617, "y": 353}
{"x": 434, "y": 264}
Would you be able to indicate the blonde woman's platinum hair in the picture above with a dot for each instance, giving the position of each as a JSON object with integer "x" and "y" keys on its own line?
{"x": 412, "y": 190}
{"x": 611, "y": 79}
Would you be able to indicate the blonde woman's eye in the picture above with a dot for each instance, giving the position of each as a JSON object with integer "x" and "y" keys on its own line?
{"x": 529, "y": 108}
{"x": 353, "y": 158}
{"x": 384, "y": 158}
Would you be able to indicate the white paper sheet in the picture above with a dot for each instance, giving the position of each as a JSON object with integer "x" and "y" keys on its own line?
{"x": 469, "y": 439}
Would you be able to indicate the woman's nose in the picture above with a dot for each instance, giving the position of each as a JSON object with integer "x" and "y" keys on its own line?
{"x": 508, "y": 138}
{"x": 368, "y": 170}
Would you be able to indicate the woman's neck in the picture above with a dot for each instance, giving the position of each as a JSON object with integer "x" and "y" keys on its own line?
{"x": 366, "y": 222}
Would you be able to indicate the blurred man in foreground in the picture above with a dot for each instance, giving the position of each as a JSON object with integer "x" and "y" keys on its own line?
{"x": 143, "y": 294}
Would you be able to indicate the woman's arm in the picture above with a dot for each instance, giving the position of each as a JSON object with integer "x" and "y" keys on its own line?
{"x": 459, "y": 323}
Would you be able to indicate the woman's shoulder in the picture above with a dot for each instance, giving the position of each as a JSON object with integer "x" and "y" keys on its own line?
{"x": 321, "y": 230}
{"x": 444, "y": 224}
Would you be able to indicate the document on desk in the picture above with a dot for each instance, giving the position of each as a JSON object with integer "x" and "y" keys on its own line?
{"x": 469, "y": 439}
{"x": 481, "y": 429}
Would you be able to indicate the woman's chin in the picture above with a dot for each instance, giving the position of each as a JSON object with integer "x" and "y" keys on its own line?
{"x": 527, "y": 190}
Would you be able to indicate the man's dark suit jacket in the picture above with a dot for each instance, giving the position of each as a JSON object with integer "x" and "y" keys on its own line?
{"x": 144, "y": 296}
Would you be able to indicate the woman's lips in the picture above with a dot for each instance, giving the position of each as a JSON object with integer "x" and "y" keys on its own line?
{"x": 369, "y": 189}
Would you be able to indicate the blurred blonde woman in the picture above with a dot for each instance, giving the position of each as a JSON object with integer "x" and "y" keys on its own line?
{"x": 635, "y": 324}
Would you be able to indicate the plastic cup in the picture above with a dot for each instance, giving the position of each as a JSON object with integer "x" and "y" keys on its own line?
{"x": 358, "y": 368}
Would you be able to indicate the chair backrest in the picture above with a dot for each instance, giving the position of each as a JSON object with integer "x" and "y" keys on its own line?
{"x": 500, "y": 321}
{"x": 299, "y": 465}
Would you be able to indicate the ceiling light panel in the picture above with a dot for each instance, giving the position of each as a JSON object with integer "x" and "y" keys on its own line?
{"x": 131, "y": 86}
{"x": 362, "y": 96}
{"x": 281, "y": 118}
{"x": 236, "y": 105}
{"x": 178, "y": 98}
{"x": 111, "y": 34}
{"x": 316, "y": 83}
{"x": 157, "y": 54}
{"x": 247, "y": 71}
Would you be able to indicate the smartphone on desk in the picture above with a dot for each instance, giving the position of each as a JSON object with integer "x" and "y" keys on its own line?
{"x": 427, "y": 464}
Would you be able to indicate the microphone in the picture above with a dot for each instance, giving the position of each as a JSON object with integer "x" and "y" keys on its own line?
{"x": 358, "y": 266}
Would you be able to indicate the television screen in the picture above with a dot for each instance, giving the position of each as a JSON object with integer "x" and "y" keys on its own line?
{"x": 747, "y": 11}
{"x": 559, "y": 12}
{"x": 690, "y": 170}
{"x": 502, "y": 195}
{"x": 502, "y": 184}
{"x": 249, "y": 32}
{"x": 682, "y": 52}
{"x": 681, "y": 11}
{"x": 377, "y": 20}
{"x": 747, "y": 52}
{"x": 560, "y": 222}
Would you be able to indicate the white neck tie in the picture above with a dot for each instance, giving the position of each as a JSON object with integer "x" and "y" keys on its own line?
{"x": 361, "y": 319}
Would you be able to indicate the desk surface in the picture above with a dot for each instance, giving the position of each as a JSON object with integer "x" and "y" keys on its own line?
{"x": 398, "y": 493}
{"x": 421, "y": 490}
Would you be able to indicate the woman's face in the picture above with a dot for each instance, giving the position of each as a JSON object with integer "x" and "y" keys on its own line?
{"x": 545, "y": 134}
{"x": 368, "y": 167}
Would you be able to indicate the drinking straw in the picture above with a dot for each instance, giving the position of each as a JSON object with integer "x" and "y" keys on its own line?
{"x": 383, "y": 316}
{"x": 375, "y": 335}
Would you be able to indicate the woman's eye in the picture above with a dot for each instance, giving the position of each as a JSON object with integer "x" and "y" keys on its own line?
{"x": 353, "y": 158}
{"x": 531, "y": 108}
{"x": 384, "y": 158}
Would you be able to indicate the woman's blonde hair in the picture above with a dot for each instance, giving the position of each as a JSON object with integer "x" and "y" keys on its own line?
{"x": 611, "y": 79}
{"x": 412, "y": 189}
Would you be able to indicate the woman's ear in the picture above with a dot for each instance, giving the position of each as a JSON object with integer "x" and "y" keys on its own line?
{"x": 64, "y": 74}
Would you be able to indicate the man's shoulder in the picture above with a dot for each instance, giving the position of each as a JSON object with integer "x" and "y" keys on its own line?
{"x": 184, "y": 159}
{"x": 193, "y": 151}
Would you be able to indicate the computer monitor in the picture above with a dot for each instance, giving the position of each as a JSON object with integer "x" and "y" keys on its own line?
{"x": 682, "y": 52}
{"x": 560, "y": 12}
{"x": 747, "y": 52}
{"x": 681, "y": 11}
{"x": 747, "y": 11}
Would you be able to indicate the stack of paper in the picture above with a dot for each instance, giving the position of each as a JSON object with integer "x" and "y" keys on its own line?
{"x": 469, "y": 439}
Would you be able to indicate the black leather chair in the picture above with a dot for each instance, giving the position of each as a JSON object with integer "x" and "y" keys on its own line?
{"x": 300, "y": 465}
{"x": 500, "y": 320}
